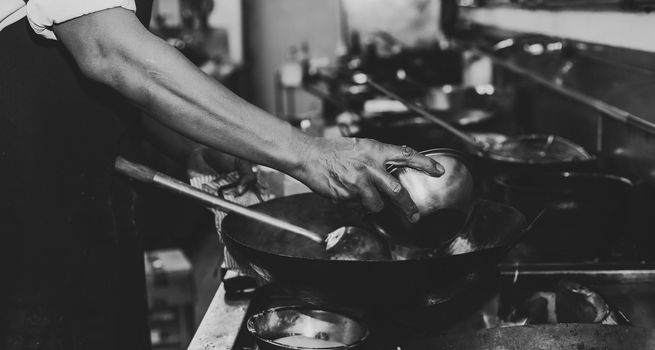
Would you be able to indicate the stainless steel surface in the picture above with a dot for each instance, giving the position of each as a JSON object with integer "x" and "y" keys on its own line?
{"x": 604, "y": 108}
{"x": 220, "y": 325}
{"x": 591, "y": 273}
{"x": 616, "y": 120}
{"x": 452, "y": 190}
{"x": 272, "y": 325}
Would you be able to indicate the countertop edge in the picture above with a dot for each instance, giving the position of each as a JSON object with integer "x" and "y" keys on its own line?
{"x": 220, "y": 325}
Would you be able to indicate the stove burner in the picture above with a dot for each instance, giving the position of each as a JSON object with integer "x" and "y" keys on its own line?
{"x": 480, "y": 301}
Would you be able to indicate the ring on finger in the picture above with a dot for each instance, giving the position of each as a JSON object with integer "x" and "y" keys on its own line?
{"x": 407, "y": 151}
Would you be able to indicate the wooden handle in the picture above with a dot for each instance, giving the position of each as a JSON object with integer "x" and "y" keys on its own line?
{"x": 143, "y": 173}
{"x": 133, "y": 170}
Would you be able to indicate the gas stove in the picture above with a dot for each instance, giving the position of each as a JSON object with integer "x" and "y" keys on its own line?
{"x": 489, "y": 299}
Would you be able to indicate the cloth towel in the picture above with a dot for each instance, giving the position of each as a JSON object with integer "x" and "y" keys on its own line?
{"x": 213, "y": 184}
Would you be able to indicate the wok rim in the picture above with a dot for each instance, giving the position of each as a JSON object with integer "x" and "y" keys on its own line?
{"x": 433, "y": 259}
{"x": 505, "y": 180}
{"x": 227, "y": 234}
{"x": 578, "y": 148}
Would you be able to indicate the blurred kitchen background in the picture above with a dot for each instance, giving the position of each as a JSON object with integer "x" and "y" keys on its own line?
{"x": 584, "y": 70}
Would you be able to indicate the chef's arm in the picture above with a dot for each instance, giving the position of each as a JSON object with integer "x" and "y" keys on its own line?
{"x": 112, "y": 47}
{"x": 168, "y": 141}
{"x": 196, "y": 158}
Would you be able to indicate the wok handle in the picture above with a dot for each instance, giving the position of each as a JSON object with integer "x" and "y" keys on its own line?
{"x": 429, "y": 116}
{"x": 142, "y": 173}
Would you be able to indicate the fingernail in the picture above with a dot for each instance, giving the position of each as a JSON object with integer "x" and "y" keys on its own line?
{"x": 414, "y": 217}
{"x": 440, "y": 169}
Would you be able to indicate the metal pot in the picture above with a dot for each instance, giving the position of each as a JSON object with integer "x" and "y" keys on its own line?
{"x": 302, "y": 327}
{"x": 443, "y": 202}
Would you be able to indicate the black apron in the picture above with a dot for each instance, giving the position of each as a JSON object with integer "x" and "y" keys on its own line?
{"x": 70, "y": 262}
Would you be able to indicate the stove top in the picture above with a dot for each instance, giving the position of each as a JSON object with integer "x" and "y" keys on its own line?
{"x": 487, "y": 300}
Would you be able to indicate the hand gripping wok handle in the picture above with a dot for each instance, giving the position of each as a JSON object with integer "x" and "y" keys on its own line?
{"x": 429, "y": 116}
{"x": 145, "y": 174}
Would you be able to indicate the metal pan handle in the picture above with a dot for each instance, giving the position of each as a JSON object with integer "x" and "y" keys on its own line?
{"x": 145, "y": 174}
{"x": 429, "y": 116}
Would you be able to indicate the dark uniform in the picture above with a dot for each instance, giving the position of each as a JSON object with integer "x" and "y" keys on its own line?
{"x": 72, "y": 268}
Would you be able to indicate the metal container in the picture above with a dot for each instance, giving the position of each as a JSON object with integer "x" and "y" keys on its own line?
{"x": 452, "y": 190}
{"x": 443, "y": 202}
{"x": 301, "y": 327}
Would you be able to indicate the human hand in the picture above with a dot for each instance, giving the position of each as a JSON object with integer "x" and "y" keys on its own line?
{"x": 208, "y": 161}
{"x": 351, "y": 168}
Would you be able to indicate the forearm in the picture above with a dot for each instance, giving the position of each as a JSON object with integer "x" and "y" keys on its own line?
{"x": 173, "y": 144}
{"x": 185, "y": 151}
{"x": 112, "y": 47}
{"x": 159, "y": 79}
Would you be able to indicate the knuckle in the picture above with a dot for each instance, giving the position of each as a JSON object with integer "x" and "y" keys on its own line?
{"x": 360, "y": 167}
{"x": 408, "y": 152}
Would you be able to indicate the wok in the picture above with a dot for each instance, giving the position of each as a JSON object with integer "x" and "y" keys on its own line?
{"x": 515, "y": 154}
{"x": 485, "y": 169}
{"x": 552, "y": 337}
{"x": 528, "y": 149}
{"x": 300, "y": 265}
{"x": 588, "y": 212}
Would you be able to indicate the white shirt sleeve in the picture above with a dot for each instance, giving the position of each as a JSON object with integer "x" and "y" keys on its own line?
{"x": 43, "y": 14}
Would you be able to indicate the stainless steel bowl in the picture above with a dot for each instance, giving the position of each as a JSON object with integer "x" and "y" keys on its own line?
{"x": 452, "y": 190}
{"x": 300, "y": 327}
{"x": 443, "y": 203}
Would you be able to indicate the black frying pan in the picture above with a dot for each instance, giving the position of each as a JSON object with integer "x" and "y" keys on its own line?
{"x": 589, "y": 212}
{"x": 516, "y": 154}
{"x": 429, "y": 136}
{"x": 301, "y": 265}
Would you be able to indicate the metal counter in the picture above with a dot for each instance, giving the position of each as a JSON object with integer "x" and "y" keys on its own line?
{"x": 220, "y": 325}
